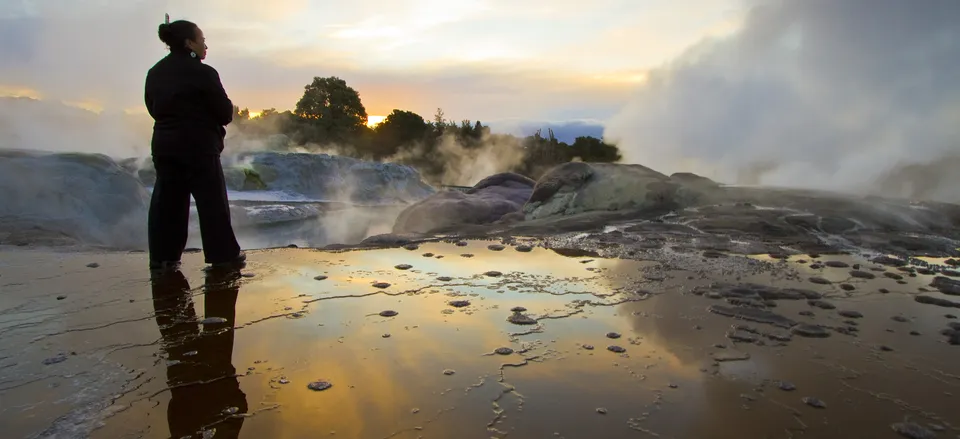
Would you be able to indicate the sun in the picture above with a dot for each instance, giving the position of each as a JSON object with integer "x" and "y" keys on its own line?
{"x": 373, "y": 121}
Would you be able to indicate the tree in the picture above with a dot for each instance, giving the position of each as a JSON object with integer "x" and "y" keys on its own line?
{"x": 243, "y": 114}
{"x": 399, "y": 129}
{"x": 479, "y": 130}
{"x": 330, "y": 111}
{"x": 441, "y": 125}
{"x": 592, "y": 149}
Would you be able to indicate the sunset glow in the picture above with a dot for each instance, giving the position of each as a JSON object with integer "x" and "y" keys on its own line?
{"x": 373, "y": 121}
{"x": 476, "y": 59}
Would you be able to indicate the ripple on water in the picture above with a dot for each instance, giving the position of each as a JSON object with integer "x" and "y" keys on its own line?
{"x": 730, "y": 355}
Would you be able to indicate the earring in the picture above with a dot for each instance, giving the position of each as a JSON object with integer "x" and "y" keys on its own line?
{"x": 193, "y": 54}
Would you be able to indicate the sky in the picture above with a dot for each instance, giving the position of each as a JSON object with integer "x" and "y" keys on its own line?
{"x": 550, "y": 60}
{"x": 854, "y": 95}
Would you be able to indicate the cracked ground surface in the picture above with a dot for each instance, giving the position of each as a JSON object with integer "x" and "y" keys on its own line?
{"x": 474, "y": 340}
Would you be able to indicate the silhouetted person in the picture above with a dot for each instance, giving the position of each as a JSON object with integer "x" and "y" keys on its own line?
{"x": 190, "y": 109}
{"x": 204, "y": 390}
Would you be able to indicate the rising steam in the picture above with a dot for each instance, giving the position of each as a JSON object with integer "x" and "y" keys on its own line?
{"x": 465, "y": 166}
{"x": 42, "y": 125}
{"x": 852, "y": 95}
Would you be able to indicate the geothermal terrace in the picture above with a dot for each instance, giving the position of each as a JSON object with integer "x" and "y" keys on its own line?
{"x": 601, "y": 301}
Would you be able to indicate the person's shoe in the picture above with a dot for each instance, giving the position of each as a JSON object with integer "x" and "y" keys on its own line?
{"x": 238, "y": 262}
{"x": 164, "y": 265}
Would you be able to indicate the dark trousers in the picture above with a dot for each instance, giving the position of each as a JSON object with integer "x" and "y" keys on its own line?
{"x": 178, "y": 177}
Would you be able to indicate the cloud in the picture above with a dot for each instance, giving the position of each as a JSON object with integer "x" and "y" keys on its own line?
{"x": 810, "y": 93}
{"x": 486, "y": 59}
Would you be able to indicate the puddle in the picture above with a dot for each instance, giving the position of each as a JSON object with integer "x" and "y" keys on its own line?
{"x": 315, "y": 351}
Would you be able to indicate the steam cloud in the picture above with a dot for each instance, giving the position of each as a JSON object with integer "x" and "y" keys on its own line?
{"x": 54, "y": 127}
{"x": 851, "y": 95}
{"x": 463, "y": 166}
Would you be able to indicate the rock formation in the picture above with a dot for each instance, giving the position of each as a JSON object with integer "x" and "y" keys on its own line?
{"x": 577, "y": 187}
{"x": 68, "y": 197}
{"x": 488, "y": 201}
{"x": 333, "y": 178}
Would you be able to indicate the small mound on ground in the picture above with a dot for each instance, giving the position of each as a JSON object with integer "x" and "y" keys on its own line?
{"x": 486, "y": 202}
{"x": 578, "y": 187}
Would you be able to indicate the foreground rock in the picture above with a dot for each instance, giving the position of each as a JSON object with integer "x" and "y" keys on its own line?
{"x": 487, "y": 202}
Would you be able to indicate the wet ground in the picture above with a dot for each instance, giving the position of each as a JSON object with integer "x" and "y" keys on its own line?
{"x": 425, "y": 342}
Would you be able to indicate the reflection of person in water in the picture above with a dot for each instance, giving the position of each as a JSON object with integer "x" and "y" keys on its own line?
{"x": 205, "y": 392}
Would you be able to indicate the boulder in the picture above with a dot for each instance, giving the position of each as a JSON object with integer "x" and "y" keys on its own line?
{"x": 486, "y": 202}
{"x": 88, "y": 198}
{"x": 577, "y": 187}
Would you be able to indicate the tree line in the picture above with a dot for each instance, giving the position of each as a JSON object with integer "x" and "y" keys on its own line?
{"x": 330, "y": 114}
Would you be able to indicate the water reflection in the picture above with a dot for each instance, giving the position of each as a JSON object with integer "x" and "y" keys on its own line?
{"x": 205, "y": 393}
{"x": 310, "y": 315}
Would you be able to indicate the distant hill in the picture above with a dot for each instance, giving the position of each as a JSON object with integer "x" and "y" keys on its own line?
{"x": 564, "y": 131}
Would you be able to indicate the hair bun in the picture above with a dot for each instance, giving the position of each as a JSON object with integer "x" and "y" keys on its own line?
{"x": 165, "y": 33}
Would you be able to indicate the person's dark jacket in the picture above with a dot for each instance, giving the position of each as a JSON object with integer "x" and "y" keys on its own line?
{"x": 189, "y": 106}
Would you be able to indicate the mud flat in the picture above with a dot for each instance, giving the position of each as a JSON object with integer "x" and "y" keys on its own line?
{"x": 480, "y": 339}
